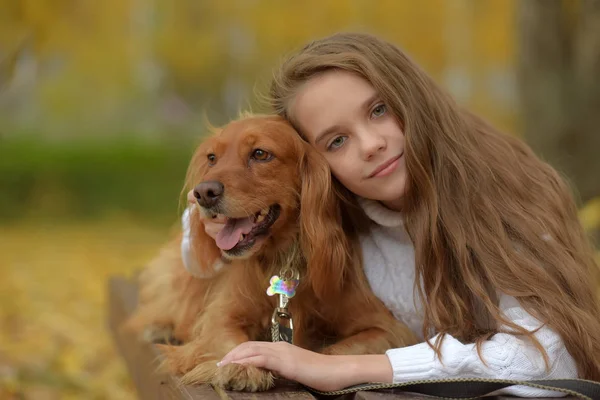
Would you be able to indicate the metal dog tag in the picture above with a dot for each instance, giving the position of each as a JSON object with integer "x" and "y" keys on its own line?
{"x": 284, "y": 286}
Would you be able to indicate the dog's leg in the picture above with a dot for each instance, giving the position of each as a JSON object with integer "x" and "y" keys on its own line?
{"x": 197, "y": 361}
{"x": 373, "y": 333}
{"x": 160, "y": 301}
{"x": 370, "y": 341}
{"x": 208, "y": 347}
{"x": 194, "y": 361}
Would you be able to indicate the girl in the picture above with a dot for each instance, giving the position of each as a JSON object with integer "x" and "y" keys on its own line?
{"x": 474, "y": 242}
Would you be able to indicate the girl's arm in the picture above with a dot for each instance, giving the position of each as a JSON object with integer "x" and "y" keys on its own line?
{"x": 507, "y": 357}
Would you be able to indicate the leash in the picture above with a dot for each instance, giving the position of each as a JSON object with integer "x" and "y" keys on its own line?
{"x": 282, "y": 329}
{"x": 474, "y": 388}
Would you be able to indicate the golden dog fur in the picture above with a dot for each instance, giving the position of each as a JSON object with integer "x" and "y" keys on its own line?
{"x": 334, "y": 311}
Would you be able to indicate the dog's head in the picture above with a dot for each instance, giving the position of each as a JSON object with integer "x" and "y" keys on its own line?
{"x": 273, "y": 188}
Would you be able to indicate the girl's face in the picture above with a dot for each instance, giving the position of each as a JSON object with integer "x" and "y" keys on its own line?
{"x": 345, "y": 119}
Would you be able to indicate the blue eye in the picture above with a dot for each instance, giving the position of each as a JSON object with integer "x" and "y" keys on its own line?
{"x": 337, "y": 143}
{"x": 379, "y": 110}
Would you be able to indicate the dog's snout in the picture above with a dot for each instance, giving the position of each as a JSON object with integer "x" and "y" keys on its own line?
{"x": 208, "y": 193}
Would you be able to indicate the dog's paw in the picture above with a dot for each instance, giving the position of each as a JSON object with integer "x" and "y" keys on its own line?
{"x": 203, "y": 372}
{"x": 243, "y": 377}
{"x": 180, "y": 360}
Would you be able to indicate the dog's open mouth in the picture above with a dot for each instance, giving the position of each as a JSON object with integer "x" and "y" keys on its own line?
{"x": 240, "y": 234}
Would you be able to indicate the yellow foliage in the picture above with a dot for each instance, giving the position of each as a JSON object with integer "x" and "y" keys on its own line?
{"x": 116, "y": 49}
{"x": 590, "y": 214}
{"x": 95, "y": 58}
{"x": 54, "y": 339}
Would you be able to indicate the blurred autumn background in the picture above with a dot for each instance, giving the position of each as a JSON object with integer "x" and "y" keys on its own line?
{"x": 102, "y": 103}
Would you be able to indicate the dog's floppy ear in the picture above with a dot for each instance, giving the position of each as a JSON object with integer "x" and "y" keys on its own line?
{"x": 323, "y": 241}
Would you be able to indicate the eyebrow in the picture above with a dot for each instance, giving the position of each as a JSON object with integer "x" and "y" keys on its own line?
{"x": 366, "y": 104}
{"x": 327, "y": 132}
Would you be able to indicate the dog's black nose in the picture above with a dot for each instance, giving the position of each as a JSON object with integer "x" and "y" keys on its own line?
{"x": 208, "y": 193}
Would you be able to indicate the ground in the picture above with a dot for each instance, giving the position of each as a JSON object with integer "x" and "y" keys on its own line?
{"x": 54, "y": 340}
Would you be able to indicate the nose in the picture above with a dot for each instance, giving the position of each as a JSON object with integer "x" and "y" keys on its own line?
{"x": 371, "y": 143}
{"x": 208, "y": 193}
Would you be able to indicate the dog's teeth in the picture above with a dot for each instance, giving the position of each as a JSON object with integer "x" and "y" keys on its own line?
{"x": 242, "y": 236}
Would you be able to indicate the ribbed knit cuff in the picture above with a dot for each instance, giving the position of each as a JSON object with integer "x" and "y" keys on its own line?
{"x": 413, "y": 363}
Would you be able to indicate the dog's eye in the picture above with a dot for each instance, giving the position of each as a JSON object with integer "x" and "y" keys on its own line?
{"x": 212, "y": 159}
{"x": 261, "y": 155}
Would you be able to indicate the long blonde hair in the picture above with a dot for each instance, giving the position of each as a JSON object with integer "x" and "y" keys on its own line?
{"x": 485, "y": 215}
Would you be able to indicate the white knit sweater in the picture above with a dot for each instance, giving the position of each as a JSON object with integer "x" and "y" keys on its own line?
{"x": 390, "y": 268}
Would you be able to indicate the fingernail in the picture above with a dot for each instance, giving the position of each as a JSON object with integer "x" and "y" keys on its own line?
{"x": 219, "y": 363}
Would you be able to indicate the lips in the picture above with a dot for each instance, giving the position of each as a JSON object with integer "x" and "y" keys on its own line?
{"x": 385, "y": 165}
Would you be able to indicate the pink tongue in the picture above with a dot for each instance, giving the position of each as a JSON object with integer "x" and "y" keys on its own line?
{"x": 229, "y": 236}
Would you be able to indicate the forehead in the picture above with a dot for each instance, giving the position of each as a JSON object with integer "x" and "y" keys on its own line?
{"x": 332, "y": 98}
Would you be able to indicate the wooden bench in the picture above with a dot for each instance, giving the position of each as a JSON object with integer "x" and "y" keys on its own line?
{"x": 151, "y": 385}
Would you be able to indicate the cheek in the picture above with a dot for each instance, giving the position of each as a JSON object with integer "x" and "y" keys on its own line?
{"x": 393, "y": 130}
{"x": 346, "y": 171}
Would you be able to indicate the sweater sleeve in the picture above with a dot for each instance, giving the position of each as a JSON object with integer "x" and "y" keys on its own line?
{"x": 507, "y": 357}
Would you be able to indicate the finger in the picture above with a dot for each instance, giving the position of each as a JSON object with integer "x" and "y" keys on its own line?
{"x": 262, "y": 361}
{"x": 191, "y": 198}
{"x": 213, "y": 218}
{"x": 212, "y": 231}
{"x": 245, "y": 350}
{"x": 219, "y": 219}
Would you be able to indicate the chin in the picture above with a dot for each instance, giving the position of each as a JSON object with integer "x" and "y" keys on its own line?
{"x": 388, "y": 197}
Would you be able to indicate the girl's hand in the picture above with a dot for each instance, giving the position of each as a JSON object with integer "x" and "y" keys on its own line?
{"x": 319, "y": 371}
{"x": 212, "y": 226}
